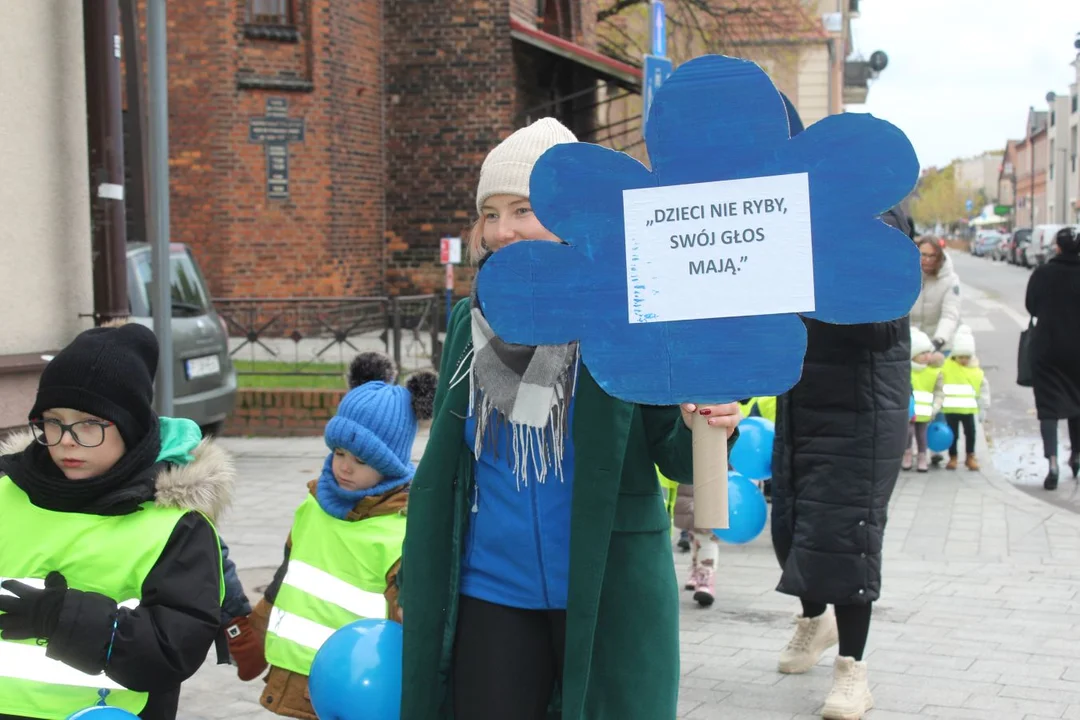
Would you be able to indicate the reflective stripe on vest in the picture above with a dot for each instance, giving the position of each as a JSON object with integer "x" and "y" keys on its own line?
{"x": 962, "y": 386}
{"x": 336, "y": 575}
{"x": 923, "y": 383}
{"x": 110, "y": 555}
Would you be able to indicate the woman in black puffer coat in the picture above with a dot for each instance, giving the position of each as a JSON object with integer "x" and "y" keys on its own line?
{"x": 1053, "y": 299}
{"x": 840, "y": 436}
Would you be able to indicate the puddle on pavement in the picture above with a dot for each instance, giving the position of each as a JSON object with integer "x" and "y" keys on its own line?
{"x": 1020, "y": 460}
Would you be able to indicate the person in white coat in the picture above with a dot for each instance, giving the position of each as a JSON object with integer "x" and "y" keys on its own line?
{"x": 937, "y": 310}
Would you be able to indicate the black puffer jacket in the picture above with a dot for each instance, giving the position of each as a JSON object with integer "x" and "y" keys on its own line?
{"x": 164, "y": 640}
{"x": 840, "y": 436}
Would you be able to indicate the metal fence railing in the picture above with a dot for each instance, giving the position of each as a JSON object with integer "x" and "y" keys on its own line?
{"x": 319, "y": 336}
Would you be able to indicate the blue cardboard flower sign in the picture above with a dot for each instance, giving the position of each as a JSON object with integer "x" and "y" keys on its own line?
{"x": 686, "y": 282}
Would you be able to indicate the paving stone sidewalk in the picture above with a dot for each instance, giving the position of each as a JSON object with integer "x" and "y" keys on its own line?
{"x": 979, "y": 617}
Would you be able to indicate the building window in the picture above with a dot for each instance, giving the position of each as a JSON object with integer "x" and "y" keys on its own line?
{"x": 556, "y": 18}
{"x": 270, "y": 12}
{"x": 271, "y": 20}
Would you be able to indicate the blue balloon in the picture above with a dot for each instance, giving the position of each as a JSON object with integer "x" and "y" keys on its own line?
{"x": 102, "y": 712}
{"x": 747, "y": 511}
{"x": 752, "y": 454}
{"x": 939, "y": 437}
{"x": 356, "y": 675}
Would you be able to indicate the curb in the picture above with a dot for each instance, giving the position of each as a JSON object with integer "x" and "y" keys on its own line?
{"x": 1013, "y": 495}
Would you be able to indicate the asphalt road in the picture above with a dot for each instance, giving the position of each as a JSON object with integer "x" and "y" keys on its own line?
{"x": 993, "y": 296}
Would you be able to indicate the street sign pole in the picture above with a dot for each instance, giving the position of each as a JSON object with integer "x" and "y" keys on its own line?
{"x": 449, "y": 256}
{"x": 657, "y": 64}
{"x": 157, "y": 65}
{"x": 657, "y": 28}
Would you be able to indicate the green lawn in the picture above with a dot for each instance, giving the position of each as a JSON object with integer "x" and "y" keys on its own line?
{"x": 271, "y": 374}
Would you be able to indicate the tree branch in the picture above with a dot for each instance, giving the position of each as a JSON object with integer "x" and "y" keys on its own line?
{"x": 617, "y": 8}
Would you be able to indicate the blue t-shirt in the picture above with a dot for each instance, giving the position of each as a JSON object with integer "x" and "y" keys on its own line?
{"x": 517, "y": 546}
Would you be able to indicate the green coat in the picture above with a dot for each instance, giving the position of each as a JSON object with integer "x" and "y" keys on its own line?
{"x": 622, "y": 628}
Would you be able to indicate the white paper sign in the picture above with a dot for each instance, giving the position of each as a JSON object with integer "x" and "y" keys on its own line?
{"x": 719, "y": 249}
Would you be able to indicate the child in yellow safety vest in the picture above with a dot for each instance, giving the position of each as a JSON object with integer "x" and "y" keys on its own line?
{"x": 344, "y": 550}
{"x": 927, "y": 387}
{"x": 967, "y": 395}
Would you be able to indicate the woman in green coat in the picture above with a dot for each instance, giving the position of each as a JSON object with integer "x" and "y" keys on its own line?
{"x": 537, "y": 573}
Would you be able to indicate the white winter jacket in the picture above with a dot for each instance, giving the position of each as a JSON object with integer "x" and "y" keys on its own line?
{"x": 937, "y": 310}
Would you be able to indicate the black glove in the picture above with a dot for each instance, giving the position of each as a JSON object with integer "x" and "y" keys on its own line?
{"x": 938, "y": 344}
{"x": 31, "y": 613}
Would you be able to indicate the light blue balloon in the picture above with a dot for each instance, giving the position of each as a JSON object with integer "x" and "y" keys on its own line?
{"x": 747, "y": 511}
{"x": 752, "y": 454}
{"x": 356, "y": 675}
{"x": 102, "y": 712}
{"x": 939, "y": 437}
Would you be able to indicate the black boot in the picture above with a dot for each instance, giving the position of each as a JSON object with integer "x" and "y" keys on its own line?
{"x": 1074, "y": 463}
{"x": 1051, "y": 481}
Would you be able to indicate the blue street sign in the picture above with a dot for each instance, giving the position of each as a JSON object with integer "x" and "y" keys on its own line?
{"x": 656, "y": 72}
{"x": 659, "y": 27}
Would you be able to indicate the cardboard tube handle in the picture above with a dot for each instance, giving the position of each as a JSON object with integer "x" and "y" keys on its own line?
{"x": 710, "y": 475}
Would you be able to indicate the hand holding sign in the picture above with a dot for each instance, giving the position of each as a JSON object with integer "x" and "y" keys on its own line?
{"x": 781, "y": 226}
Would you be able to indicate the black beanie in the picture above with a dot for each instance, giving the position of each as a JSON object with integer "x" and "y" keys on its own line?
{"x": 107, "y": 372}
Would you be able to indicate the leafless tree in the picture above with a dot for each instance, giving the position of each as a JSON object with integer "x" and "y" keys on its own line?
{"x": 696, "y": 26}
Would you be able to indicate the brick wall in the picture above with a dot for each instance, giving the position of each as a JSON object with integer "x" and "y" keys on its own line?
{"x": 282, "y": 413}
{"x": 326, "y": 239}
{"x": 450, "y": 98}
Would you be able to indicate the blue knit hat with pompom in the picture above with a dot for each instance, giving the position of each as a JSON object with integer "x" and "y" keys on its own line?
{"x": 377, "y": 419}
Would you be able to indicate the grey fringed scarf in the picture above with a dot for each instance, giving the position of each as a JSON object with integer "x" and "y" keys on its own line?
{"x": 525, "y": 388}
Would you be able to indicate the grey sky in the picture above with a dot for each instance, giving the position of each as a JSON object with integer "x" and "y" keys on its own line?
{"x": 962, "y": 73}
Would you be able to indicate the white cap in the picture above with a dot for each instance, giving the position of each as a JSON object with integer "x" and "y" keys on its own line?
{"x": 963, "y": 344}
{"x": 920, "y": 343}
{"x": 507, "y": 167}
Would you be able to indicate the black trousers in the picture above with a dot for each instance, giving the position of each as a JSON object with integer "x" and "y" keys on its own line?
{"x": 1049, "y": 429}
{"x": 507, "y": 661}
{"x": 852, "y": 625}
{"x": 956, "y": 421}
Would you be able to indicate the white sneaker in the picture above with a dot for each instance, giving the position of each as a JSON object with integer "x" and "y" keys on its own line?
{"x": 850, "y": 695}
{"x": 813, "y": 636}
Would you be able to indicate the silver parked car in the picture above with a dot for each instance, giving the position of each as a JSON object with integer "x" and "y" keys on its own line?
{"x": 204, "y": 380}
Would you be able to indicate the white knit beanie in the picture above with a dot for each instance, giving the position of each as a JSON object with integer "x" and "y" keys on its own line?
{"x": 963, "y": 344}
{"x": 920, "y": 343}
{"x": 507, "y": 168}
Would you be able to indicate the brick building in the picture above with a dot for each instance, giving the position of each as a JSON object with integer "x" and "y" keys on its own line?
{"x": 322, "y": 147}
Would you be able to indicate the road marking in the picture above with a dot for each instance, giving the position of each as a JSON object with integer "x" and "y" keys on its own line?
{"x": 982, "y": 300}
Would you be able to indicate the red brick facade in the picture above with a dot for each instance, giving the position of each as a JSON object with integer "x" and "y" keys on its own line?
{"x": 326, "y": 238}
{"x": 400, "y": 101}
{"x": 450, "y": 99}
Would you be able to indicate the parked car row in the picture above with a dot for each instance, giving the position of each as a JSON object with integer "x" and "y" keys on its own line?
{"x": 1025, "y": 247}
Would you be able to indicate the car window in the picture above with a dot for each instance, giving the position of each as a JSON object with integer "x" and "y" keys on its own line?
{"x": 189, "y": 297}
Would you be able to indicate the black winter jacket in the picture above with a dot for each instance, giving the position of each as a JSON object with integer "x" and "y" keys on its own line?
{"x": 164, "y": 640}
{"x": 1053, "y": 298}
{"x": 840, "y": 438}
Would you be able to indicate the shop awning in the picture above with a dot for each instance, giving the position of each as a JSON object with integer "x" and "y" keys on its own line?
{"x": 608, "y": 68}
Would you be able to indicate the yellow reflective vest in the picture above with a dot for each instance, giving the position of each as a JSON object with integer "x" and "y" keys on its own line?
{"x": 336, "y": 575}
{"x": 962, "y": 387}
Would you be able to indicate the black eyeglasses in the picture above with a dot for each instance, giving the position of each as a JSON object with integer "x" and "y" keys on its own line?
{"x": 87, "y": 433}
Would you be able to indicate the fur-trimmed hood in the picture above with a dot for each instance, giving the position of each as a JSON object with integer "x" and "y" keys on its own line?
{"x": 205, "y": 484}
